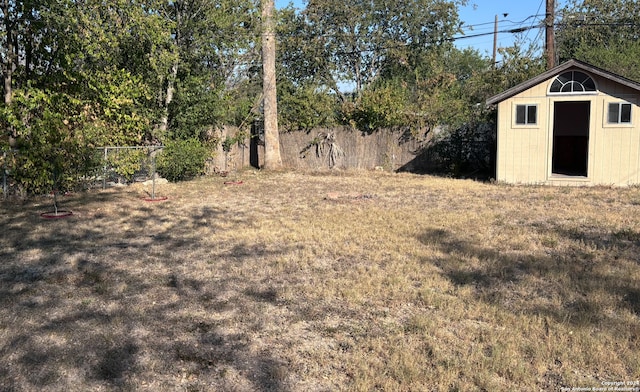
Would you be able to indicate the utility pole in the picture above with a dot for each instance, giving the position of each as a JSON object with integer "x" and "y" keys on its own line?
{"x": 272, "y": 158}
{"x": 495, "y": 41}
{"x": 550, "y": 41}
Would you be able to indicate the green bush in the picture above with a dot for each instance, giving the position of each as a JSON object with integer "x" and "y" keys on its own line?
{"x": 127, "y": 162}
{"x": 382, "y": 106}
{"x": 50, "y": 152}
{"x": 182, "y": 160}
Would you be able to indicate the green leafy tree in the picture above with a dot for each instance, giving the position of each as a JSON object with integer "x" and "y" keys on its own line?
{"x": 137, "y": 71}
{"x": 308, "y": 96}
{"x": 91, "y": 51}
{"x": 302, "y": 54}
{"x": 605, "y": 33}
{"x": 212, "y": 43}
{"x": 53, "y": 154}
{"x": 362, "y": 39}
{"x": 305, "y": 107}
{"x": 516, "y": 67}
{"x": 381, "y": 106}
{"x": 452, "y": 99}
{"x": 390, "y": 53}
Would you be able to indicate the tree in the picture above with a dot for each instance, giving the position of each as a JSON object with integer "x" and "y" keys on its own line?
{"x": 378, "y": 60}
{"x": 399, "y": 60}
{"x": 605, "y": 33}
{"x": 305, "y": 107}
{"x": 361, "y": 39}
{"x": 517, "y": 66}
{"x": 53, "y": 152}
{"x": 8, "y": 53}
{"x": 9, "y": 56}
{"x": 308, "y": 96}
{"x": 272, "y": 158}
{"x": 124, "y": 72}
{"x": 91, "y": 52}
{"x": 75, "y": 82}
{"x": 212, "y": 46}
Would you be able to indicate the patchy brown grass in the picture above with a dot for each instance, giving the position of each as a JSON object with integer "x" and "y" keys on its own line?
{"x": 320, "y": 282}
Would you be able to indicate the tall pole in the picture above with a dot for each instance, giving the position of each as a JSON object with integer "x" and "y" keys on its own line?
{"x": 495, "y": 41}
{"x": 550, "y": 41}
{"x": 272, "y": 158}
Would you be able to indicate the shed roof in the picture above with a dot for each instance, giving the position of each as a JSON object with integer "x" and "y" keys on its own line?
{"x": 571, "y": 64}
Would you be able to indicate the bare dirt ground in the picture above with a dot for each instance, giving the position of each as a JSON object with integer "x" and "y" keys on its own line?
{"x": 322, "y": 281}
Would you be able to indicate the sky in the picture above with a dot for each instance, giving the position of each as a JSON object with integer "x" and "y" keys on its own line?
{"x": 479, "y": 18}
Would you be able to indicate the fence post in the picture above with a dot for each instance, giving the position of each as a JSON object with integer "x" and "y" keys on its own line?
{"x": 153, "y": 175}
{"x": 4, "y": 175}
{"x": 104, "y": 170}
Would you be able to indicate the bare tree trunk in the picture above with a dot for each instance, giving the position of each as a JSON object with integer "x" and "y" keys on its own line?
{"x": 173, "y": 74}
{"x": 164, "y": 121}
{"x": 9, "y": 65}
{"x": 272, "y": 157}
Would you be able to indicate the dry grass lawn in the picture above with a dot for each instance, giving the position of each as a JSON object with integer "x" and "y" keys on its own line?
{"x": 328, "y": 281}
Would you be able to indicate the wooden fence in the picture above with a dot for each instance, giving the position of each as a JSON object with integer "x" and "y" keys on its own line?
{"x": 340, "y": 148}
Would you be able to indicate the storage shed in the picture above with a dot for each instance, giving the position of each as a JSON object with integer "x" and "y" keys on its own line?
{"x": 575, "y": 124}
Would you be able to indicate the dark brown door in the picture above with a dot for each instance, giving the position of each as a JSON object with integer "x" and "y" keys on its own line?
{"x": 571, "y": 138}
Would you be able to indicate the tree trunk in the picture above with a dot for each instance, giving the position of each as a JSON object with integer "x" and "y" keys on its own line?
{"x": 164, "y": 121}
{"x": 9, "y": 65}
{"x": 272, "y": 158}
{"x": 173, "y": 74}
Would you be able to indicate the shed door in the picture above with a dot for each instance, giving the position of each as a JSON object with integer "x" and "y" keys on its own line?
{"x": 571, "y": 138}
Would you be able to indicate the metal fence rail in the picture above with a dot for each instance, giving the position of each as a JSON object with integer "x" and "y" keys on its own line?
{"x": 125, "y": 165}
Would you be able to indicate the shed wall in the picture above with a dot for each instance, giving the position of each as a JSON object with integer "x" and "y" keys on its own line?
{"x": 525, "y": 151}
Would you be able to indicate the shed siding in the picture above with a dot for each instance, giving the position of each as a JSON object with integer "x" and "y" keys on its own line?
{"x": 520, "y": 148}
{"x": 524, "y": 152}
{"x": 618, "y": 147}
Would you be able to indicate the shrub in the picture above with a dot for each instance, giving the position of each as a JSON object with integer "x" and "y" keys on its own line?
{"x": 383, "y": 106}
{"x": 50, "y": 152}
{"x": 182, "y": 160}
{"x": 126, "y": 162}
{"x": 464, "y": 150}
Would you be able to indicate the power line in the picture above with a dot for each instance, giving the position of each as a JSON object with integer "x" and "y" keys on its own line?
{"x": 537, "y": 13}
{"x": 539, "y": 26}
{"x": 512, "y": 23}
{"x": 510, "y": 31}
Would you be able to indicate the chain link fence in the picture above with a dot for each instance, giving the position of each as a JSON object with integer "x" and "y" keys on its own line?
{"x": 107, "y": 167}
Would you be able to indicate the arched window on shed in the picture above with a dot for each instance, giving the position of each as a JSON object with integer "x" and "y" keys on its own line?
{"x": 572, "y": 82}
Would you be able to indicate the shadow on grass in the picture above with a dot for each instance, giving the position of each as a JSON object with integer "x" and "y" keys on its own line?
{"x": 116, "y": 302}
{"x": 585, "y": 282}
